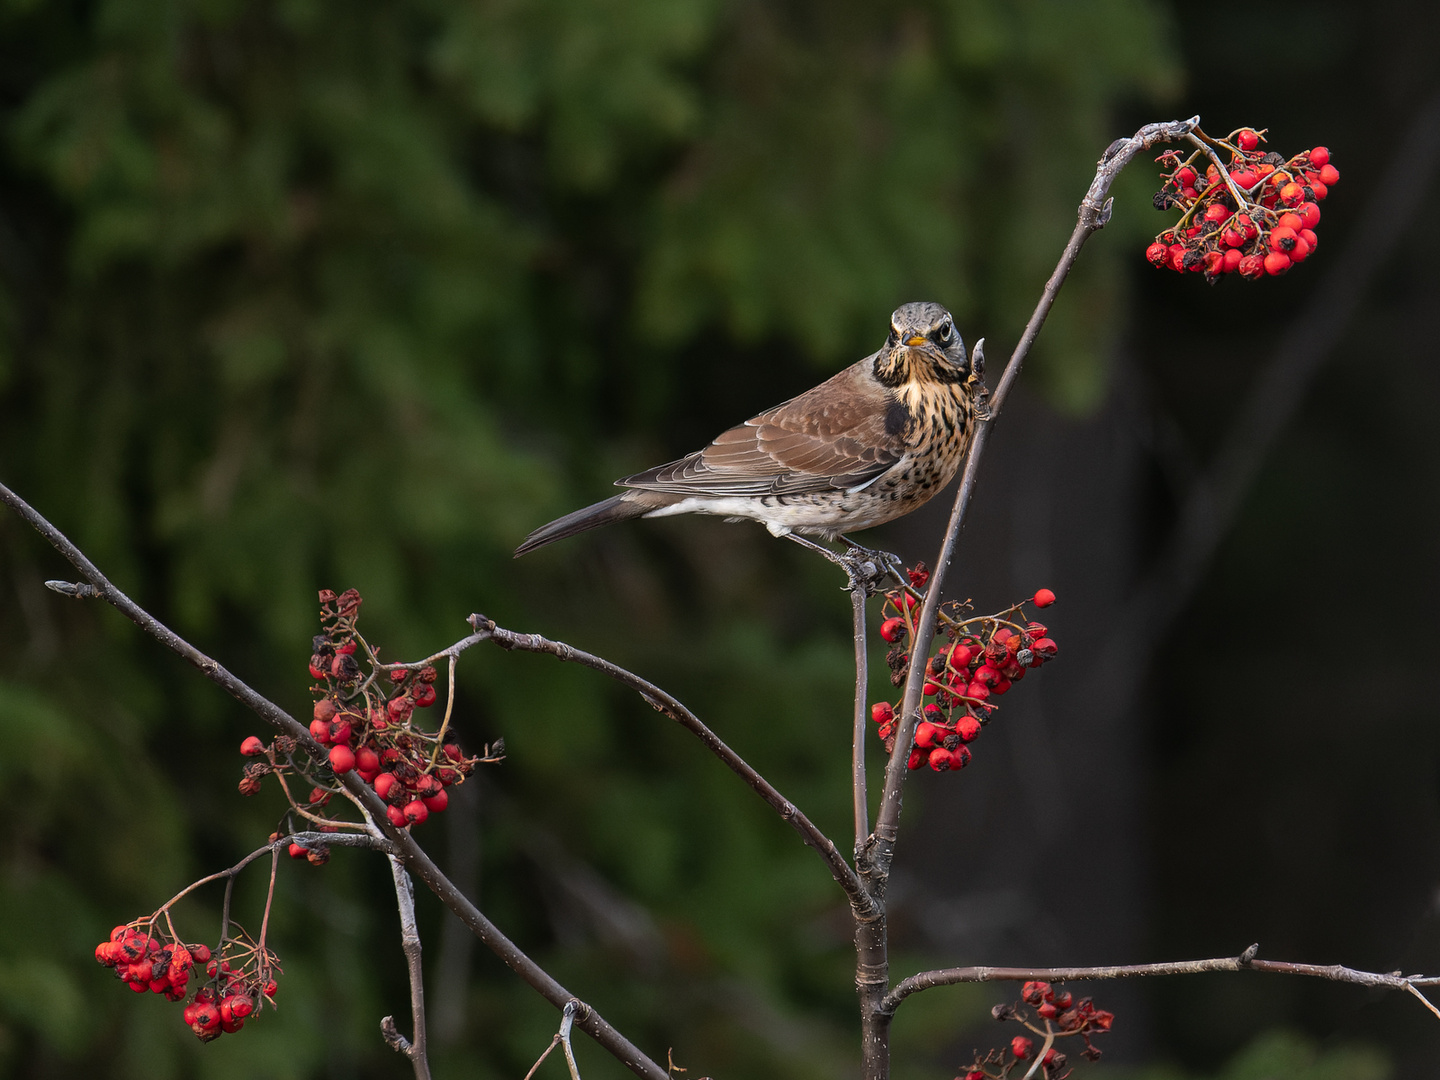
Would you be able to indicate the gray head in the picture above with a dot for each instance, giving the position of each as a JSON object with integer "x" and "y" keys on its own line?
{"x": 923, "y": 342}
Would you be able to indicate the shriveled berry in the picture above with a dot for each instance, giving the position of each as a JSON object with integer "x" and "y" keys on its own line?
{"x": 1157, "y": 253}
{"x": 1021, "y": 1047}
{"x": 423, "y": 694}
{"x": 1045, "y": 648}
{"x": 1252, "y": 266}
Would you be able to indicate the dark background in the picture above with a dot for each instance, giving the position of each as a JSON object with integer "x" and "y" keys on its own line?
{"x": 304, "y": 294}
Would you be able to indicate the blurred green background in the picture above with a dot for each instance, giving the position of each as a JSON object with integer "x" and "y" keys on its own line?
{"x": 310, "y": 294}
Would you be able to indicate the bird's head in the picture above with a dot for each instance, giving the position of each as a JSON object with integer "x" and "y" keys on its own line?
{"x": 924, "y": 345}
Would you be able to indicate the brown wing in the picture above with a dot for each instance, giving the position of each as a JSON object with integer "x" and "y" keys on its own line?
{"x": 835, "y": 436}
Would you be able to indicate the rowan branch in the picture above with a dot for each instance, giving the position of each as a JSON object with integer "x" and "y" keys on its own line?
{"x": 416, "y": 860}
{"x": 413, "y": 1047}
{"x": 1246, "y": 961}
{"x": 1094, "y": 214}
{"x": 663, "y": 702}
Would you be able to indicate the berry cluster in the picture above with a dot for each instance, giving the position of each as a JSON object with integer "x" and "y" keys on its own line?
{"x": 238, "y": 978}
{"x": 980, "y": 659}
{"x": 365, "y": 713}
{"x": 1257, "y": 218}
{"x": 1062, "y": 1017}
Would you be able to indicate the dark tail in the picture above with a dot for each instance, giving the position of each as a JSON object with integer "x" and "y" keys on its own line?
{"x": 616, "y": 508}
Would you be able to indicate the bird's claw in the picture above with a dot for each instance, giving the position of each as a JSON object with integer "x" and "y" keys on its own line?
{"x": 868, "y": 567}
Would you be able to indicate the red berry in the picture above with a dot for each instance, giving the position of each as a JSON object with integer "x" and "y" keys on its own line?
{"x": 271, "y": 989}
{"x": 320, "y": 731}
{"x": 366, "y": 760}
{"x": 341, "y": 732}
{"x": 1033, "y": 992}
{"x": 342, "y": 759}
{"x": 926, "y": 735}
{"x": 986, "y": 676}
{"x": 1282, "y": 239}
{"x": 1309, "y": 215}
{"x": 347, "y": 649}
{"x": 1217, "y": 212}
{"x": 384, "y": 783}
{"x": 1276, "y": 263}
{"x": 424, "y": 695}
{"x": 960, "y": 657}
{"x": 437, "y": 802}
{"x": 396, "y": 816}
{"x": 930, "y": 689}
{"x": 207, "y": 1016}
{"x": 1301, "y": 251}
{"x": 1048, "y": 1010}
{"x": 977, "y": 692}
{"x": 1292, "y": 194}
{"x": 882, "y": 712}
{"x": 967, "y": 727}
{"x": 1252, "y": 266}
{"x": 1247, "y": 140}
{"x": 416, "y": 811}
{"x": 1045, "y": 647}
{"x": 200, "y": 953}
{"x": 1245, "y": 179}
{"x": 297, "y": 851}
{"x": 939, "y": 759}
{"x": 1185, "y": 177}
{"x": 317, "y": 670}
{"x": 324, "y": 710}
{"x": 1232, "y": 262}
{"x": 400, "y": 708}
{"x": 1020, "y": 1046}
{"x": 1320, "y": 157}
{"x": 1329, "y": 175}
{"x": 1308, "y": 235}
{"x": 917, "y": 758}
{"x": 1292, "y": 221}
{"x": 1044, "y": 598}
{"x": 252, "y": 747}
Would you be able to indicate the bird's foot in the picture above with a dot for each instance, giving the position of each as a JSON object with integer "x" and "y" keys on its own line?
{"x": 866, "y": 568}
{"x": 870, "y": 567}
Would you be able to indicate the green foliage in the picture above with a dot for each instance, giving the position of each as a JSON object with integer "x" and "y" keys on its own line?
{"x": 304, "y": 294}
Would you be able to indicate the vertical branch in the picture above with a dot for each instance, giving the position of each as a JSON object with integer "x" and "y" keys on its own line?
{"x": 1094, "y": 214}
{"x": 414, "y": 1047}
{"x": 857, "y": 761}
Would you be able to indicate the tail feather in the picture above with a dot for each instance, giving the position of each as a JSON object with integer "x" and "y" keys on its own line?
{"x": 631, "y": 504}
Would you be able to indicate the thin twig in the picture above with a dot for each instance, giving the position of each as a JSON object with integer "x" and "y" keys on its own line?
{"x": 554, "y": 1042}
{"x": 664, "y": 703}
{"x": 1094, "y": 215}
{"x": 566, "y": 1019}
{"x": 416, "y": 860}
{"x": 1246, "y": 961}
{"x": 862, "y": 712}
{"x": 414, "y": 1047}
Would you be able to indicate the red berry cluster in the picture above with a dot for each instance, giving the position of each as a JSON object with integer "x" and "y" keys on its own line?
{"x": 236, "y": 982}
{"x": 1258, "y": 218}
{"x": 1062, "y": 1017}
{"x": 365, "y": 715}
{"x": 981, "y": 658}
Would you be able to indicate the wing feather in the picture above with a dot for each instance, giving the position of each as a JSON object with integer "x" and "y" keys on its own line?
{"x": 833, "y": 437}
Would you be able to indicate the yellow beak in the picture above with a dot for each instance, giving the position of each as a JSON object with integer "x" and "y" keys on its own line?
{"x": 915, "y": 341}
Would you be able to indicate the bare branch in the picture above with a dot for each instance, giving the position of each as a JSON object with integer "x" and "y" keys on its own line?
{"x": 1246, "y": 961}
{"x": 664, "y": 703}
{"x": 416, "y": 860}
{"x": 862, "y": 713}
{"x": 414, "y": 1047}
{"x": 1094, "y": 215}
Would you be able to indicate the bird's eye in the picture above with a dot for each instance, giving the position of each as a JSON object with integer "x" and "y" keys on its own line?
{"x": 945, "y": 330}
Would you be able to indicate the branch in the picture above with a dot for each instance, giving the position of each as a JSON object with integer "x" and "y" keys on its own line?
{"x": 416, "y": 860}
{"x": 1094, "y": 215}
{"x": 414, "y": 1047}
{"x": 862, "y": 713}
{"x": 664, "y": 703}
{"x": 1244, "y": 962}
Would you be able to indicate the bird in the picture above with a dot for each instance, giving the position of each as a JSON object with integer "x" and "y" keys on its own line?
{"x": 868, "y": 445}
